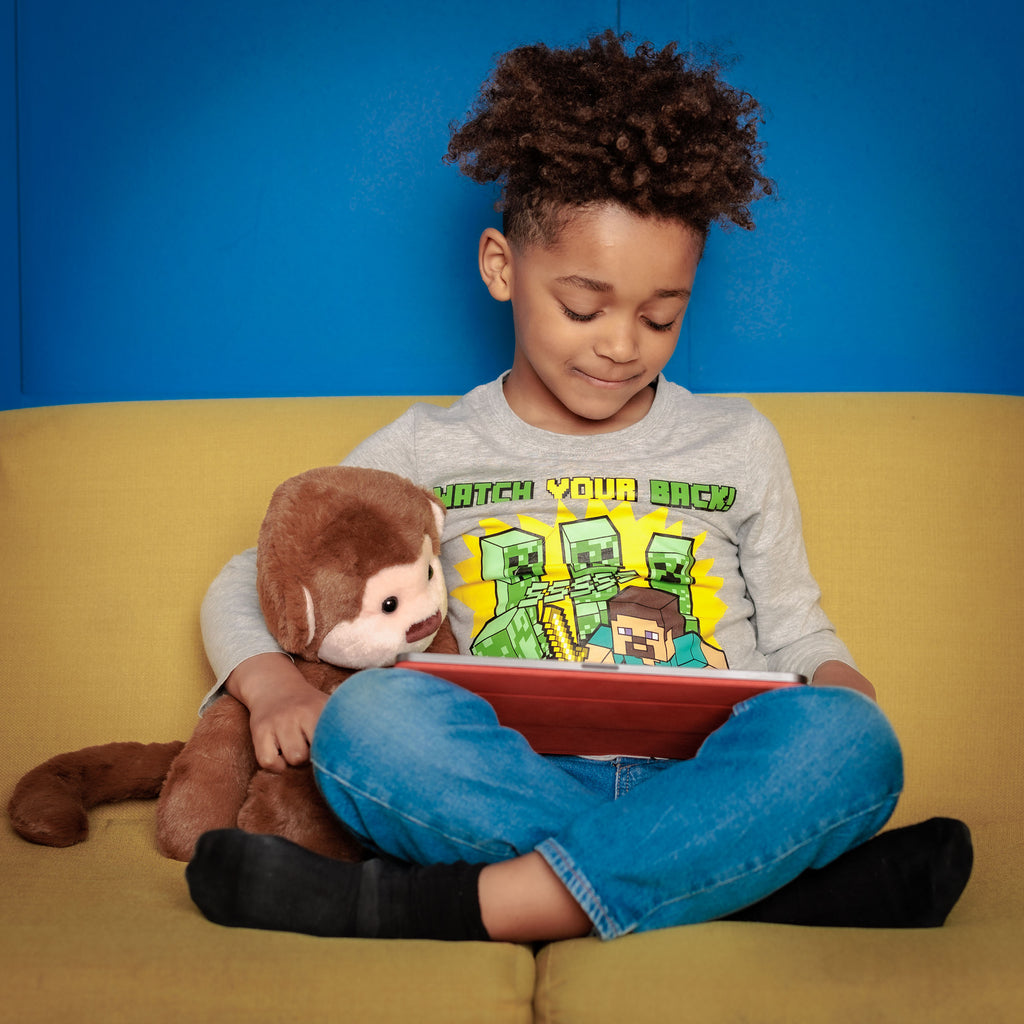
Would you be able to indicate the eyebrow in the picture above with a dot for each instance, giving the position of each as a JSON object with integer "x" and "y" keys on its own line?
{"x": 590, "y": 285}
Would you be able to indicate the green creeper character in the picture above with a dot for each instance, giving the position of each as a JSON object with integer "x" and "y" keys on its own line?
{"x": 512, "y": 634}
{"x": 670, "y": 560}
{"x": 514, "y": 560}
{"x": 593, "y": 554}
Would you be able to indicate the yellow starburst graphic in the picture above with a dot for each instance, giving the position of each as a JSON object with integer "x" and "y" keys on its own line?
{"x": 634, "y": 535}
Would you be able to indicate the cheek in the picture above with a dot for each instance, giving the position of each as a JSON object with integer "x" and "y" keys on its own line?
{"x": 440, "y": 589}
{"x": 659, "y": 346}
{"x": 545, "y": 339}
{"x": 361, "y": 643}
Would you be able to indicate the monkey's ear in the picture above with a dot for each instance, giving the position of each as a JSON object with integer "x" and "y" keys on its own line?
{"x": 289, "y": 611}
{"x": 439, "y": 511}
{"x": 310, "y": 617}
{"x": 438, "y": 517}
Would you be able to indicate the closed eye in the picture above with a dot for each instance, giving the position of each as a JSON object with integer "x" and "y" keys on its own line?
{"x": 660, "y": 327}
{"x": 585, "y": 318}
{"x": 580, "y": 318}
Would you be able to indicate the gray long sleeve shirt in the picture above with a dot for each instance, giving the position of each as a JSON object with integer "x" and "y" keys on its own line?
{"x": 543, "y": 530}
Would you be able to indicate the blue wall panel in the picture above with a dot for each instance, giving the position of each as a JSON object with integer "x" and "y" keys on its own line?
{"x": 247, "y": 198}
{"x": 891, "y": 258}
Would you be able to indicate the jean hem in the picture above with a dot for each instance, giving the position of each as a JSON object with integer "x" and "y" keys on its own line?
{"x": 579, "y": 887}
{"x": 753, "y": 872}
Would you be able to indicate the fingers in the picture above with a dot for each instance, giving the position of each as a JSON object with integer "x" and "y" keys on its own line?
{"x": 268, "y": 754}
{"x": 282, "y": 735}
{"x": 288, "y": 744}
{"x": 296, "y": 752}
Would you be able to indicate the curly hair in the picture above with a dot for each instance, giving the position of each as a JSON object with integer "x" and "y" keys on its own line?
{"x": 654, "y": 131}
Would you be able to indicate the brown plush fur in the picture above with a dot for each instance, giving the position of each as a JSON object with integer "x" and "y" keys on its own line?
{"x": 49, "y": 803}
{"x": 329, "y": 531}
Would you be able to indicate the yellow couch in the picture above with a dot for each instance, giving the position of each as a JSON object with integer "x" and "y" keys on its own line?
{"x": 113, "y": 518}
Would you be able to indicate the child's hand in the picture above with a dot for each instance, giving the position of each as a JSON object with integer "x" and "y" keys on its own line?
{"x": 836, "y": 673}
{"x": 283, "y": 709}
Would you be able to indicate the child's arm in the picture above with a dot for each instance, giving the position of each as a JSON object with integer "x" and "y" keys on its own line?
{"x": 283, "y": 707}
{"x": 792, "y": 629}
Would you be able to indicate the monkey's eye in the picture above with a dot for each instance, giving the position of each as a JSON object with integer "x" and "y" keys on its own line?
{"x": 388, "y": 605}
{"x": 430, "y": 572}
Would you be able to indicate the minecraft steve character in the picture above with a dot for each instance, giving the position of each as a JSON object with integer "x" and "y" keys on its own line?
{"x": 647, "y": 628}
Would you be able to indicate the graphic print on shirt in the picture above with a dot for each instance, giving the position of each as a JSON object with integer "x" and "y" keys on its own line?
{"x": 605, "y": 587}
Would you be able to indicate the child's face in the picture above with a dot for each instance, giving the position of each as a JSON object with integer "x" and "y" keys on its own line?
{"x": 597, "y": 316}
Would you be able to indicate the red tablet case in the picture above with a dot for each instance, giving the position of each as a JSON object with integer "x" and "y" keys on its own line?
{"x": 601, "y": 709}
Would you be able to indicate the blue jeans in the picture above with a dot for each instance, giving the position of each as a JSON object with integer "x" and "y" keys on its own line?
{"x": 421, "y": 770}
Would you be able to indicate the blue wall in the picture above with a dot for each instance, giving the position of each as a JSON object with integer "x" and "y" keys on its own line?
{"x": 245, "y": 197}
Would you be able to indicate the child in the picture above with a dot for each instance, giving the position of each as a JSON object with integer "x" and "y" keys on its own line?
{"x": 578, "y": 473}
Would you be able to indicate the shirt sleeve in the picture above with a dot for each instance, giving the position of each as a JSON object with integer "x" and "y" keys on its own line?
{"x": 793, "y": 632}
{"x": 392, "y": 448}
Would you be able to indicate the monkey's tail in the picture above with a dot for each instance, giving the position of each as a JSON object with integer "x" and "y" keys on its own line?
{"x": 50, "y": 802}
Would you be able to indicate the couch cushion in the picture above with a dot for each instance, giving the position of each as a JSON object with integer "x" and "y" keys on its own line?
{"x": 105, "y": 931}
{"x": 775, "y": 974}
{"x": 914, "y": 514}
{"x": 114, "y": 518}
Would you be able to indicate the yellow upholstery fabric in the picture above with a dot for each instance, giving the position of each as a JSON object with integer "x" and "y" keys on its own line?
{"x": 113, "y": 519}
{"x": 772, "y": 974}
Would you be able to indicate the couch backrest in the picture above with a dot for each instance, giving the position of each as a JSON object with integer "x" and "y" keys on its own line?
{"x": 114, "y": 518}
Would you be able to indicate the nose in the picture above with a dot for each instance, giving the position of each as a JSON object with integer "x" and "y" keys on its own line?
{"x": 618, "y": 342}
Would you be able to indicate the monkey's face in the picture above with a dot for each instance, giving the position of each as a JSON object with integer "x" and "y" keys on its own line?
{"x": 402, "y": 609}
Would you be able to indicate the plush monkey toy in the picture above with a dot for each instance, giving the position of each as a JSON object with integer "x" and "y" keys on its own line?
{"x": 349, "y": 577}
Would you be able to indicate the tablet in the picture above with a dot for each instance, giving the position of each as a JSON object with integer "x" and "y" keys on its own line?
{"x": 603, "y": 708}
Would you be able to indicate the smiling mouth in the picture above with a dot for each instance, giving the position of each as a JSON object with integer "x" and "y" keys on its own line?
{"x": 606, "y": 382}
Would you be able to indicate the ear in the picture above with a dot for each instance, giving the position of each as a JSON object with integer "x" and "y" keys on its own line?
{"x": 310, "y": 617}
{"x": 438, "y": 509}
{"x": 287, "y": 607}
{"x": 496, "y": 264}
